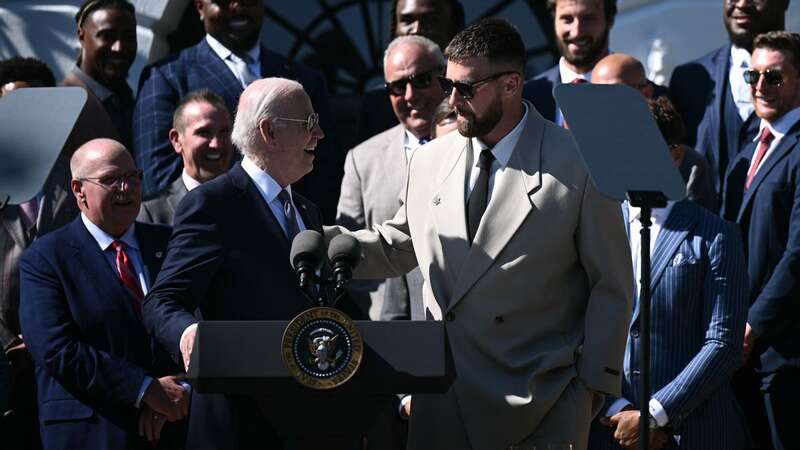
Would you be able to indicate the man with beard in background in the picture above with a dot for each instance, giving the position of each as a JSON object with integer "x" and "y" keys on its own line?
{"x": 581, "y": 31}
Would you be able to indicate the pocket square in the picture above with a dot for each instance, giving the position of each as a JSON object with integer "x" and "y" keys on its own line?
{"x": 681, "y": 260}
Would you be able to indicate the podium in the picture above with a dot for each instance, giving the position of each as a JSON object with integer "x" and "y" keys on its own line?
{"x": 244, "y": 358}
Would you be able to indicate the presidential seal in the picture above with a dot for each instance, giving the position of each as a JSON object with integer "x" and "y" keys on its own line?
{"x": 322, "y": 348}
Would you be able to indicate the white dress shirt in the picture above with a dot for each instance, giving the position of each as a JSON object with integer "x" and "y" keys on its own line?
{"x": 410, "y": 143}
{"x": 230, "y": 58}
{"x": 778, "y": 130}
{"x": 740, "y": 61}
{"x": 188, "y": 181}
{"x": 502, "y": 154}
{"x": 567, "y": 77}
{"x": 269, "y": 190}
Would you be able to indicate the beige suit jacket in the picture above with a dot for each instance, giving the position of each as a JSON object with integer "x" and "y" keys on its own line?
{"x": 542, "y": 296}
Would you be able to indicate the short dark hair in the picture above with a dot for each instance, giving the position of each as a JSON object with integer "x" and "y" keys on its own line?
{"x": 456, "y": 12}
{"x": 609, "y": 7}
{"x": 783, "y": 41}
{"x": 90, "y": 6}
{"x": 668, "y": 119}
{"x": 495, "y": 39}
{"x": 198, "y": 96}
{"x": 29, "y": 70}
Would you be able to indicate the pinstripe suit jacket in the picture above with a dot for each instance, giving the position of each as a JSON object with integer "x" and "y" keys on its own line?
{"x": 699, "y": 306}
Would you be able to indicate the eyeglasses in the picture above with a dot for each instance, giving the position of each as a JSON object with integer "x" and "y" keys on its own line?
{"x": 771, "y": 76}
{"x": 418, "y": 81}
{"x": 310, "y": 122}
{"x": 467, "y": 90}
{"x": 224, "y": 4}
{"x": 115, "y": 182}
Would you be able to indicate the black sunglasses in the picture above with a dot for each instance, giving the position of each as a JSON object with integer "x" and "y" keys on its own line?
{"x": 467, "y": 90}
{"x": 771, "y": 76}
{"x": 418, "y": 81}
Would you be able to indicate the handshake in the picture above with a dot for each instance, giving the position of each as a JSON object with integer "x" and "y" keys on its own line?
{"x": 164, "y": 400}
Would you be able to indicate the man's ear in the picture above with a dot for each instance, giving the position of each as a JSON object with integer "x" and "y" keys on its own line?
{"x": 198, "y": 5}
{"x": 267, "y": 130}
{"x": 76, "y": 187}
{"x": 513, "y": 84}
{"x": 175, "y": 140}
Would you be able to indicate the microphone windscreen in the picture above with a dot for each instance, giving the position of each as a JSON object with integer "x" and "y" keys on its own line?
{"x": 345, "y": 248}
{"x": 308, "y": 246}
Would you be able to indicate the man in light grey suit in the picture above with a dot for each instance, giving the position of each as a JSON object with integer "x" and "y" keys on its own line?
{"x": 201, "y": 134}
{"x": 525, "y": 261}
{"x": 699, "y": 305}
{"x": 375, "y": 170}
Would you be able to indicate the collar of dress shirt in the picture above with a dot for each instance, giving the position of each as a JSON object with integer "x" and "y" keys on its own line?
{"x": 781, "y": 126}
{"x": 267, "y": 186}
{"x": 104, "y": 239}
{"x": 411, "y": 141}
{"x": 188, "y": 181}
{"x": 567, "y": 75}
{"x": 658, "y": 215}
{"x": 740, "y": 58}
{"x": 223, "y": 52}
{"x": 505, "y": 147}
{"x": 99, "y": 91}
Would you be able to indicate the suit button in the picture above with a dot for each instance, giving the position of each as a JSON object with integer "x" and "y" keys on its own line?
{"x": 450, "y": 316}
{"x": 499, "y": 319}
{"x": 635, "y": 334}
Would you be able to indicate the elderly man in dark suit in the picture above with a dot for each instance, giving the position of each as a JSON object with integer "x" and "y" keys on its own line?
{"x": 101, "y": 380}
{"x": 699, "y": 304}
{"x": 711, "y": 94}
{"x": 229, "y": 253}
{"x": 225, "y": 61}
{"x": 763, "y": 196}
{"x": 374, "y": 172}
{"x": 201, "y": 134}
{"x": 581, "y": 32}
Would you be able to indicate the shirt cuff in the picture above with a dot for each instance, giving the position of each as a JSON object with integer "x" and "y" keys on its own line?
{"x": 145, "y": 384}
{"x": 617, "y": 406}
{"x": 403, "y": 402}
{"x": 658, "y": 412}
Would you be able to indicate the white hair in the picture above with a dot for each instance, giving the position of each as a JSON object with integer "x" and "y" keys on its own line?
{"x": 263, "y": 99}
{"x": 430, "y": 47}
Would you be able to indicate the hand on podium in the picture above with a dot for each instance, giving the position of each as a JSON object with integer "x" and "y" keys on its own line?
{"x": 187, "y": 343}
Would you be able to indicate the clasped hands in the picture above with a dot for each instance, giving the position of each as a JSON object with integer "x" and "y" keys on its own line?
{"x": 164, "y": 400}
{"x": 626, "y": 430}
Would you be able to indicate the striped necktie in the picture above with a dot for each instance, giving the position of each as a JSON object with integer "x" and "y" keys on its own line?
{"x": 127, "y": 274}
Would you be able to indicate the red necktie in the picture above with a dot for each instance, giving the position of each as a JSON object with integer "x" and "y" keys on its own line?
{"x": 575, "y": 81}
{"x": 127, "y": 274}
{"x": 764, "y": 142}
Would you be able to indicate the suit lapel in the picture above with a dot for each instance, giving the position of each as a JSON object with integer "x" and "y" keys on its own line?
{"x": 218, "y": 76}
{"x": 785, "y": 146}
{"x": 395, "y": 179}
{"x": 673, "y": 232}
{"x": 255, "y": 202}
{"x": 152, "y": 256}
{"x": 508, "y": 207}
{"x": 448, "y": 208}
{"x": 96, "y": 269}
{"x": 721, "y": 65}
{"x": 12, "y": 222}
{"x": 310, "y": 219}
{"x": 176, "y": 194}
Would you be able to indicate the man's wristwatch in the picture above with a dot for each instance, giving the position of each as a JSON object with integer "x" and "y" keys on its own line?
{"x": 651, "y": 422}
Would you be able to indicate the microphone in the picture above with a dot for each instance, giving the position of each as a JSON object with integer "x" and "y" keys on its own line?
{"x": 306, "y": 257}
{"x": 344, "y": 253}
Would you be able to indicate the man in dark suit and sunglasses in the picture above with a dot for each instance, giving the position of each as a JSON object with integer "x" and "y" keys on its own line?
{"x": 374, "y": 171}
{"x": 763, "y": 196}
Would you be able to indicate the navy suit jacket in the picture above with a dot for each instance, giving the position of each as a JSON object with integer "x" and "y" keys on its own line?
{"x": 699, "y": 304}
{"x": 229, "y": 258}
{"x": 769, "y": 217}
{"x": 166, "y": 82}
{"x": 539, "y": 91}
{"x": 90, "y": 349}
{"x": 700, "y": 90}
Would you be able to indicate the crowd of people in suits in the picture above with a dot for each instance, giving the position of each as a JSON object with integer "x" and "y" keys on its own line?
{"x": 472, "y": 207}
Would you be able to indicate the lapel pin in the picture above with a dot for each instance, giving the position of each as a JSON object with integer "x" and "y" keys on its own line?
{"x": 436, "y": 200}
{"x": 159, "y": 254}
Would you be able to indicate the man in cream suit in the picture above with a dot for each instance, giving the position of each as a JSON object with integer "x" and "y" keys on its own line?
{"x": 375, "y": 170}
{"x": 536, "y": 289}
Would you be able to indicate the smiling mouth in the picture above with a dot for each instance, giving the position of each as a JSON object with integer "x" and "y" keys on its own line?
{"x": 213, "y": 156}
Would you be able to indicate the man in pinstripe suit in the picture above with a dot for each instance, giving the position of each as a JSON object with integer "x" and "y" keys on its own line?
{"x": 699, "y": 305}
